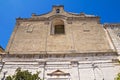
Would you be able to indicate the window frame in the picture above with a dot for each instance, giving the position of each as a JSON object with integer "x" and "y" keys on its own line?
{"x": 57, "y": 22}
{"x": 59, "y": 29}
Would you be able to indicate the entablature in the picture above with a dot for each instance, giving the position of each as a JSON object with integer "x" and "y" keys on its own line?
{"x": 58, "y": 16}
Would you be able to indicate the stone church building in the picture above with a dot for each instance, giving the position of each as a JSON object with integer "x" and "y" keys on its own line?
{"x": 63, "y": 46}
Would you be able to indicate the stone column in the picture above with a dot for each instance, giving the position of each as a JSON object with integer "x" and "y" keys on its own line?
{"x": 42, "y": 69}
{"x": 75, "y": 74}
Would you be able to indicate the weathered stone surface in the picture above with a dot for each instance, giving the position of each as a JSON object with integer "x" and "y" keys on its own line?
{"x": 83, "y": 35}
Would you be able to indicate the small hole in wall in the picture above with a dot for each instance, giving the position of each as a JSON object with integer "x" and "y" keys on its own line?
{"x": 86, "y": 30}
{"x": 57, "y": 10}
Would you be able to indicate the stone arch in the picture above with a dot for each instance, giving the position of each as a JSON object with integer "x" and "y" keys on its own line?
{"x": 57, "y": 17}
{"x": 58, "y": 26}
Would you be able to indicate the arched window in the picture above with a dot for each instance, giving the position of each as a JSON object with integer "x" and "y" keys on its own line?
{"x": 58, "y": 27}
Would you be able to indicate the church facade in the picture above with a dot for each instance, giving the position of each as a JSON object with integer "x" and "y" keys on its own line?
{"x": 64, "y": 46}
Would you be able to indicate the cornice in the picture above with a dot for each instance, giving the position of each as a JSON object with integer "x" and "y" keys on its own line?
{"x": 112, "y": 25}
{"x": 58, "y": 16}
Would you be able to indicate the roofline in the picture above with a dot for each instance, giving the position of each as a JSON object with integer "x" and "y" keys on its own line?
{"x": 76, "y": 14}
{"x": 111, "y": 25}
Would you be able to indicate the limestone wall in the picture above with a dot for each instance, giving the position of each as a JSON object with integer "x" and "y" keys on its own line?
{"x": 78, "y": 70}
{"x": 80, "y": 36}
{"x": 83, "y": 34}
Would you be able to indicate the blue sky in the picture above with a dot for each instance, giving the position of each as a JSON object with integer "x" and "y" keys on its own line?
{"x": 108, "y": 10}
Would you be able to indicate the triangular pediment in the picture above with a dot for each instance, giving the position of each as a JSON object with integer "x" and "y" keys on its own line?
{"x": 58, "y": 73}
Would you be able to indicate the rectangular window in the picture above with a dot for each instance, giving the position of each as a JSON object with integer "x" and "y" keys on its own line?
{"x": 59, "y": 29}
